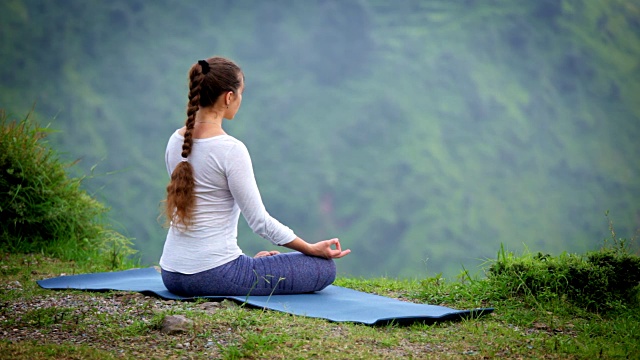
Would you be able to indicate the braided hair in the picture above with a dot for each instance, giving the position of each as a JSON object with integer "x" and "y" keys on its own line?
{"x": 208, "y": 79}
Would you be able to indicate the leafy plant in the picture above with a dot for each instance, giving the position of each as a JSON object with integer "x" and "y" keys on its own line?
{"x": 45, "y": 210}
{"x": 600, "y": 280}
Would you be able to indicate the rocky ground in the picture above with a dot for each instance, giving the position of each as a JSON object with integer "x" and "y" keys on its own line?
{"x": 119, "y": 322}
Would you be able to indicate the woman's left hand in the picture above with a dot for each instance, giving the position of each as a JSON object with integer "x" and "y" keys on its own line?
{"x": 266, "y": 253}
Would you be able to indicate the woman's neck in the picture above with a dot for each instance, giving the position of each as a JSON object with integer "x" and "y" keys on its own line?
{"x": 208, "y": 116}
{"x": 207, "y": 124}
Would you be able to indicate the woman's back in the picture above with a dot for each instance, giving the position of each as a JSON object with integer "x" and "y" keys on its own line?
{"x": 212, "y": 182}
{"x": 224, "y": 186}
{"x": 210, "y": 239}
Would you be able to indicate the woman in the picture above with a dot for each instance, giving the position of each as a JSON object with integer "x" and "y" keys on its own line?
{"x": 212, "y": 181}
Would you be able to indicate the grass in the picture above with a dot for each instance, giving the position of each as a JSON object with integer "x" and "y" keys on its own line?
{"x": 43, "y": 209}
{"x": 31, "y": 350}
{"x": 44, "y": 324}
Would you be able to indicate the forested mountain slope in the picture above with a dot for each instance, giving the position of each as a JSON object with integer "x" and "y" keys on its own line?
{"x": 422, "y": 133}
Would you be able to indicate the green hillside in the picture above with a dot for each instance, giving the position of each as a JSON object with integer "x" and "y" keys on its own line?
{"x": 423, "y": 134}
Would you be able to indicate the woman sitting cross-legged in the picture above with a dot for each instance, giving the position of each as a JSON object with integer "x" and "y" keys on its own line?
{"x": 212, "y": 182}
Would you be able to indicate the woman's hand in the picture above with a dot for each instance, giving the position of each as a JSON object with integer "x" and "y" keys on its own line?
{"x": 320, "y": 249}
{"x": 326, "y": 249}
{"x": 266, "y": 253}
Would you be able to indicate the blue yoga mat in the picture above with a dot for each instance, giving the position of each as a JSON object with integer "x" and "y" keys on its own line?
{"x": 334, "y": 303}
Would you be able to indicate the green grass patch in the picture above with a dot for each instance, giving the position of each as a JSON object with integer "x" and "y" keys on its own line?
{"x": 43, "y": 209}
{"x": 599, "y": 281}
{"x": 31, "y": 350}
{"x": 127, "y": 325}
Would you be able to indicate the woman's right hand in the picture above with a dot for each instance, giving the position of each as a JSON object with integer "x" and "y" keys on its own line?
{"x": 326, "y": 249}
{"x": 323, "y": 248}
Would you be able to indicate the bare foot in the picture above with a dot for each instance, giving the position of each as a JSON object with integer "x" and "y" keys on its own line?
{"x": 266, "y": 253}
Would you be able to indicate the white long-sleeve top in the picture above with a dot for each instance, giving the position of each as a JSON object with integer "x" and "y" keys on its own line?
{"x": 224, "y": 186}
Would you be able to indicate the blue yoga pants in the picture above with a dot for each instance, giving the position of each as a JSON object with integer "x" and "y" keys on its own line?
{"x": 288, "y": 273}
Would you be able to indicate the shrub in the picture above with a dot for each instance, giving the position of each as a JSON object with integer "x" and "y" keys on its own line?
{"x": 598, "y": 281}
{"x": 42, "y": 208}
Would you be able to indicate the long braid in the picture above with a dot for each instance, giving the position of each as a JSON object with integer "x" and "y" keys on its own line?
{"x": 208, "y": 79}
{"x": 180, "y": 191}
{"x": 195, "y": 84}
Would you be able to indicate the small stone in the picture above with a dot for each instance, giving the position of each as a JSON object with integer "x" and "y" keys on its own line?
{"x": 179, "y": 346}
{"x": 209, "y": 307}
{"x": 176, "y": 324}
{"x": 540, "y": 326}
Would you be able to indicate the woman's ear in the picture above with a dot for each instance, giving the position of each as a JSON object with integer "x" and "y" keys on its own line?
{"x": 229, "y": 98}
